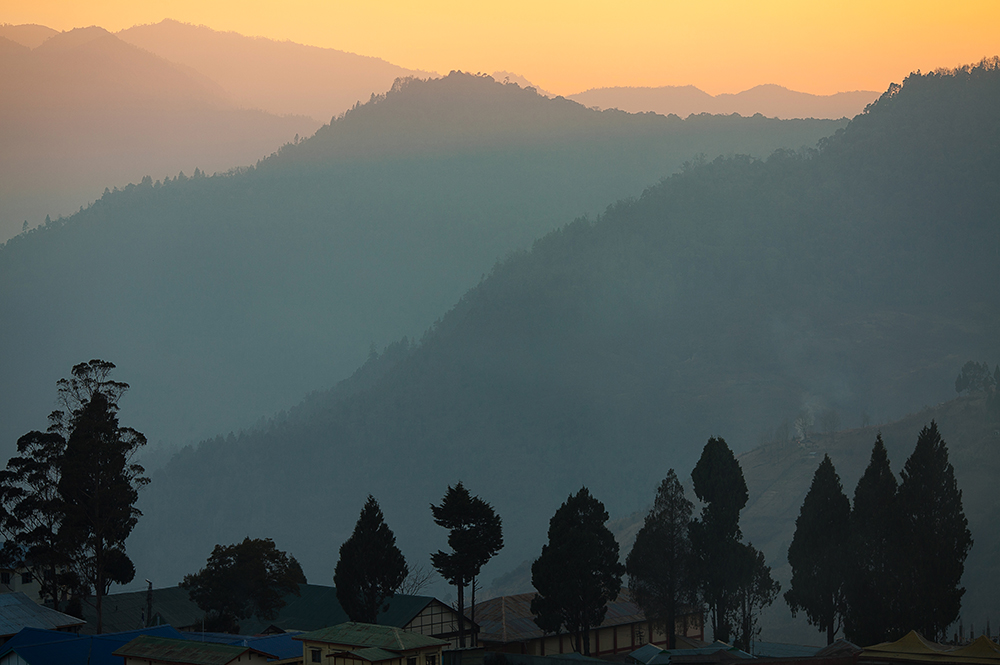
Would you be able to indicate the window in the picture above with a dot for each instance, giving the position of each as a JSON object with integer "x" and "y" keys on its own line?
{"x": 412, "y": 660}
{"x": 5, "y": 577}
{"x": 315, "y": 656}
{"x": 25, "y": 578}
{"x": 430, "y": 659}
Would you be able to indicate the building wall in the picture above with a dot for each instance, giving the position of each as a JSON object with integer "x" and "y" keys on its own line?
{"x": 440, "y": 621}
{"x": 250, "y": 658}
{"x": 14, "y": 580}
{"x": 325, "y": 650}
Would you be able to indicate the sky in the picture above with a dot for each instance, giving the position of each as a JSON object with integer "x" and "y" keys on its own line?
{"x": 720, "y": 46}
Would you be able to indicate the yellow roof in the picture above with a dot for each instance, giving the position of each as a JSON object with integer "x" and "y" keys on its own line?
{"x": 914, "y": 648}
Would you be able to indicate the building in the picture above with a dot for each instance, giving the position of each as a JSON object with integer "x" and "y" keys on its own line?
{"x": 364, "y": 643}
{"x": 34, "y": 646}
{"x": 315, "y": 607}
{"x": 18, "y": 611}
{"x": 153, "y": 650}
{"x": 507, "y": 625}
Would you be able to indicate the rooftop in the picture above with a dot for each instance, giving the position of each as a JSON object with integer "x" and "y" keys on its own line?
{"x": 184, "y": 651}
{"x": 371, "y": 635}
{"x": 17, "y": 611}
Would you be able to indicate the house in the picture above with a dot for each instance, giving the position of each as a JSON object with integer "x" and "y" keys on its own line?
{"x": 507, "y": 624}
{"x": 315, "y": 607}
{"x": 19, "y": 580}
{"x": 364, "y": 643}
{"x": 18, "y": 611}
{"x": 153, "y": 650}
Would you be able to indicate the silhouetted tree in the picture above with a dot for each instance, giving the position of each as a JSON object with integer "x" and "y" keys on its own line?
{"x": 875, "y": 555}
{"x": 371, "y": 568}
{"x": 974, "y": 377}
{"x": 818, "y": 553}
{"x": 242, "y": 580}
{"x": 578, "y": 571}
{"x": 475, "y": 536}
{"x": 715, "y": 537}
{"x": 69, "y": 498}
{"x": 936, "y": 537}
{"x": 756, "y": 591}
{"x": 659, "y": 565}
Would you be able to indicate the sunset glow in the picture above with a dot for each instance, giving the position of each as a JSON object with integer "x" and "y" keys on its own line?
{"x": 717, "y": 45}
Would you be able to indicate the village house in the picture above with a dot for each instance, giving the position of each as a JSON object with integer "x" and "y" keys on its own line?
{"x": 363, "y": 643}
{"x": 507, "y": 625}
{"x": 153, "y": 650}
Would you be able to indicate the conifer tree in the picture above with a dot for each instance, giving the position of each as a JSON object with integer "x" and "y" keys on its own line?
{"x": 475, "y": 536}
{"x": 578, "y": 571}
{"x": 371, "y": 568}
{"x": 715, "y": 537}
{"x": 818, "y": 552}
{"x": 757, "y": 591}
{"x": 659, "y": 565}
{"x": 936, "y": 537}
{"x": 873, "y": 586}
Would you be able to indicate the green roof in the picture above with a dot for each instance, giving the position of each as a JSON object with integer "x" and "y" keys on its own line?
{"x": 370, "y": 635}
{"x": 374, "y": 654}
{"x": 183, "y": 651}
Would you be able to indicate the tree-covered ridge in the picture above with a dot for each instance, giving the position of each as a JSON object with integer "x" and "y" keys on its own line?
{"x": 729, "y": 298}
{"x": 302, "y": 262}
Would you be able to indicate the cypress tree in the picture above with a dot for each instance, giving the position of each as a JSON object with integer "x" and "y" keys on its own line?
{"x": 659, "y": 565}
{"x": 715, "y": 537}
{"x": 873, "y": 585}
{"x": 936, "y": 537}
{"x": 818, "y": 552}
{"x": 371, "y": 568}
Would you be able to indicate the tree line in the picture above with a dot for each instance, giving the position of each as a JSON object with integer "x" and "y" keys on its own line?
{"x": 893, "y": 561}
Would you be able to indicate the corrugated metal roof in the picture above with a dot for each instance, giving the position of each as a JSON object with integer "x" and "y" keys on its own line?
{"x": 183, "y": 651}
{"x": 374, "y": 654}
{"x": 509, "y": 618}
{"x": 17, "y": 611}
{"x": 44, "y": 647}
{"x": 127, "y": 611}
{"x": 371, "y": 635}
{"x": 781, "y": 650}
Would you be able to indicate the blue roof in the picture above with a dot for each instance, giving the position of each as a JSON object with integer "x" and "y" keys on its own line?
{"x": 646, "y": 655}
{"x": 36, "y": 648}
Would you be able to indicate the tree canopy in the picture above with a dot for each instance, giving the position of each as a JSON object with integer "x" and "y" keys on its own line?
{"x": 819, "y": 554}
{"x": 936, "y": 537}
{"x": 715, "y": 537}
{"x": 475, "y": 534}
{"x": 242, "y": 580}
{"x": 371, "y": 568}
{"x": 578, "y": 571}
{"x": 659, "y": 566}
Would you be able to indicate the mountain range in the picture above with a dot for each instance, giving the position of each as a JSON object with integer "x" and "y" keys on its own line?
{"x": 774, "y": 101}
{"x": 837, "y": 287}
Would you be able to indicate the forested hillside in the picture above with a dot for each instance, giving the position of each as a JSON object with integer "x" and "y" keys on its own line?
{"x": 845, "y": 286}
{"x": 83, "y": 110}
{"x": 224, "y": 299}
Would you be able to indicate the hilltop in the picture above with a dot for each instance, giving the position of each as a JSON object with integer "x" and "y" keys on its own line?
{"x": 729, "y": 299}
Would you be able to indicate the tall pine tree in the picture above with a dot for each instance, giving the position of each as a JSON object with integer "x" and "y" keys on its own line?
{"x": 715, "y": 537}
{"x": 875, "y": 554}
{"x": 659, "y": 565}
{"x": 818, "y": 553}
{"x": 371, "y": 568}
{"x": 936, "y": 537}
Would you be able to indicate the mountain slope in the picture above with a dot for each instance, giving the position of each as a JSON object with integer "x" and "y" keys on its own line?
{"x": 277, "y": 77}
{"x": 230, "y": 297}
{"x": 84, "y": 111}
{"x": 730, "y": 298}
{"x": 774, "y": 101}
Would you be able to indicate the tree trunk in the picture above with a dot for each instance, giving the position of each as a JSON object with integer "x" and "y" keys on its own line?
{"x": 586, "y": 641}
{"x": 830, "y": 633}
{"x": 461, "y": 616}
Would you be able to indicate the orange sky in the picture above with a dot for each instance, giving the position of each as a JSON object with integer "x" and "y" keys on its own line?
{"x": 565, "y": 47}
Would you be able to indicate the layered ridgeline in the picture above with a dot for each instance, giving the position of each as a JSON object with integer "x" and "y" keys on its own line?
{"x": 83, "y": 110}
{"x": 223, "y": 299}
{"x": 731, "y": 299}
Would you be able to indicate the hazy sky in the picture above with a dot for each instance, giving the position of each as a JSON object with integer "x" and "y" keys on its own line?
{"x": 718, "y": 45}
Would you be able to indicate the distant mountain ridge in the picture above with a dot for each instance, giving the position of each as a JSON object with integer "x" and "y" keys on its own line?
{"x": 84, "y": 110}
{"x": 773, "y": 101}
{"x": 284, "y": 78}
